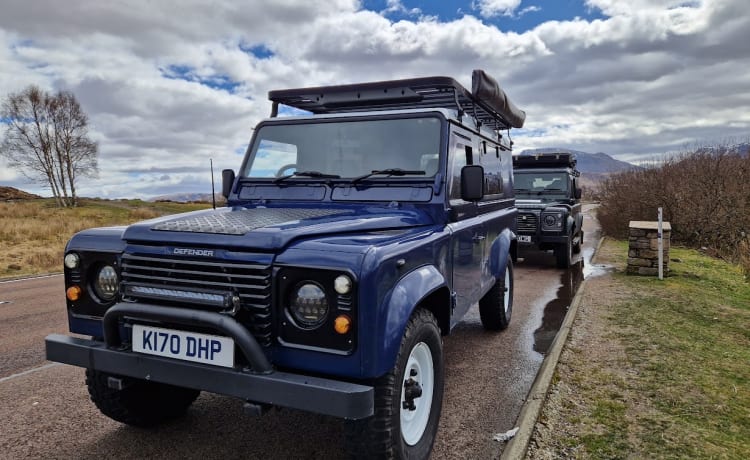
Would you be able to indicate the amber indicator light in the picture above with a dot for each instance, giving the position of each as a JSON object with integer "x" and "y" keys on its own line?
{"x": 342, "y": 324}
{"x": 73, "y": 293}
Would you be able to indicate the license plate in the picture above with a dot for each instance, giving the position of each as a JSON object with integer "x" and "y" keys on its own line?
{"x": 524, "y": 238}
{"x": 187, "y": 346}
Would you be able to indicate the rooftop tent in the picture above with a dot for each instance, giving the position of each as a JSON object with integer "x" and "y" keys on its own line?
{"x": 486, "y": 89}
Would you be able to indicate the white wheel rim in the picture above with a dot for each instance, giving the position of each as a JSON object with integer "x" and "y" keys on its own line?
{"x": 414, "y": 422}
{"x": 506, "y": 294}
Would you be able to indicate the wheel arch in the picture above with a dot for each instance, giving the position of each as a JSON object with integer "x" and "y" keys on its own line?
{"x": 504, "y": 246}
{"x": 424, "y": 287}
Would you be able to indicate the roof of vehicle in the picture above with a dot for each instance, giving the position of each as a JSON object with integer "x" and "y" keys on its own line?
{"x": 545, "y": 160}
{"x": 486, "y": 103}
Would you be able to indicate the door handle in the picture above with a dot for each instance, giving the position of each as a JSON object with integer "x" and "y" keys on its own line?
{"x": 478, "y": 238}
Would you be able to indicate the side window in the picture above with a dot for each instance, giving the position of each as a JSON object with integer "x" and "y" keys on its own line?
{"x": 462, "y": 154}
{"x": 493, "y": 172}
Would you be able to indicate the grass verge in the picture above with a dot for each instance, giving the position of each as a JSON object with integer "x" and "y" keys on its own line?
{"x": 661, "y": 370}
{"x": 33, "y": 233}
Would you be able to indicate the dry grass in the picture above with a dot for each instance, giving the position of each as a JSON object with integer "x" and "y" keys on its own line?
{"x": 33, "y": 233}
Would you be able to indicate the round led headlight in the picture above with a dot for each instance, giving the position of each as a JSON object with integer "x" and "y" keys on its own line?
{"x": 308, "y": 304}
{"x": 105, "y": 284}
{"x": 550, "y": 220}
{"x": 342, "y": 284}
{"x": 72, "y": 260}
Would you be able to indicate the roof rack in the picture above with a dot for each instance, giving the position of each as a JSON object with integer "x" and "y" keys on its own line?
{"x": 547, "y": 159}
{"x": 427, "y": 92}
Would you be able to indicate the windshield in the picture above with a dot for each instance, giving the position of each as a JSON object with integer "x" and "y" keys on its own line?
{"x": 536, "y": 184}
{"x": 346, "y": 149}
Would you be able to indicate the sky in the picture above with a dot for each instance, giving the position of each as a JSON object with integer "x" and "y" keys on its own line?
{"x": 169, "y": 84}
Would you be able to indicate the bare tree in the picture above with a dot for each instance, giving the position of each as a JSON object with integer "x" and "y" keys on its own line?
{"x": 46, "y": 140}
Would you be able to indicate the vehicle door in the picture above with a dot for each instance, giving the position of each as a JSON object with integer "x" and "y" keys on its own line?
{"x": 468, "y": 231}
{"x": 497, "y": 208}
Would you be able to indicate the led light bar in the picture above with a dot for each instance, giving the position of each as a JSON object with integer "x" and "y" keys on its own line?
{"x": 177, "y": 295}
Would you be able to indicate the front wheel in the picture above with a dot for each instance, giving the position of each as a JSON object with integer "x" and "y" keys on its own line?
{"x": 496, "y": 307}
{"x": 139, "y": 402}
{"x": 577, "y": 246}
{"x": 564, "y": 254}
{"x": 408, "y": 399}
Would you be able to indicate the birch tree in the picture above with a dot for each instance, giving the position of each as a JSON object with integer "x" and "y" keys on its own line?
{"x": 46, "y": 139}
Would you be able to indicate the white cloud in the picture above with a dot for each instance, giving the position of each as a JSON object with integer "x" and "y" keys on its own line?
{"x": 169, "y": 85}
{"x": 493, "y": 8}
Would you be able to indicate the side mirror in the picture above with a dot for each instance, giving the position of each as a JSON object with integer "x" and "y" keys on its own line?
{"x": 577, "y": 193}
{"x": 472, "y": 183}
{"x": 227, "y": 180}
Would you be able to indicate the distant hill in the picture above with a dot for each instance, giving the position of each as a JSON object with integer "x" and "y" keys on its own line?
{"x": 189, "y": 198}
{"x": 13, "y": 194}
{"x": 594, "y": 167}
{"x": 590, "y": 163}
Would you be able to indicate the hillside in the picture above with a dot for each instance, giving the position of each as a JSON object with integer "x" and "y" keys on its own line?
{"x": 13, "y": 194}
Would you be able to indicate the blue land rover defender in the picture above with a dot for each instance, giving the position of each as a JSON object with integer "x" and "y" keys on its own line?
{"x": 353, "y": 239}
{"x": 548, "y": 196}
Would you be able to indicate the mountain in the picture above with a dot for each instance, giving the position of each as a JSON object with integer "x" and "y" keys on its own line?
{"x": 590, "y": 163}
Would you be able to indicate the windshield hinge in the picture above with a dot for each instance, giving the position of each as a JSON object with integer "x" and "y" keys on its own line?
{"x": 437, "y": 184}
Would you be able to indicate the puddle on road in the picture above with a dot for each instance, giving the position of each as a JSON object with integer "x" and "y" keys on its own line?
{"x": 555, "y": 310}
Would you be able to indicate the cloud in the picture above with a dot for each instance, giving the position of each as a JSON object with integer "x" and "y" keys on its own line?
{"x": 493, "y": 8}
{"x": 169, "y": 85}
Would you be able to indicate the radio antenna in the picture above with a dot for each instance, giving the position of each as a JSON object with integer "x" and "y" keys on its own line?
{"x": 213, "y": 191}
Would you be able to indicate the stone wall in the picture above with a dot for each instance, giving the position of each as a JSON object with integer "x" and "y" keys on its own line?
{"x": 643, "y": 250}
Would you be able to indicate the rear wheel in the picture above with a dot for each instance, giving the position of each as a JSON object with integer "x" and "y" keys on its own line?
{"x": 139, "y": 402}
{"x": 408, "y": 399}
{"x": 496, "y": 307}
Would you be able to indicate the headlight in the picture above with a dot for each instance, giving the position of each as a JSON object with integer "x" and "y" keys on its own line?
{"x": 308, "y": 304}
{"x": 552, "y": 221}
{"x": 72, "y": 260}
{"x": 106, "y": 282}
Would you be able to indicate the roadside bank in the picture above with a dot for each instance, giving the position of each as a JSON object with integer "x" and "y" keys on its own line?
{"x": 652, "y": 369}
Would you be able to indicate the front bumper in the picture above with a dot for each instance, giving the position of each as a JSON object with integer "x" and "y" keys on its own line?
{"x": 541, "y": 238}
{"x": 259, "y": 383}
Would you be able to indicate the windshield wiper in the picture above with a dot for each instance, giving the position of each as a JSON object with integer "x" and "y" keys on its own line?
{"x": 388, "y": 172}
{"x": 314, "y": 174}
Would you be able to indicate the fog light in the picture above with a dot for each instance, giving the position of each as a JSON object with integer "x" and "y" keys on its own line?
{"x": 342, "y": 324}
{"x": 73, "y": 293}
{"x": 342, "y": 284}
{"x": 72, "y": 260}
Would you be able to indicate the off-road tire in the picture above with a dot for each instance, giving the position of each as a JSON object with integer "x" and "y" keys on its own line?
{"x": 564, "y": 254}
{"x": 577, "y": 246}
{"x": 381, "y": 435}
{"x": 139, "y": 403}
{"x": 492, "y": 311}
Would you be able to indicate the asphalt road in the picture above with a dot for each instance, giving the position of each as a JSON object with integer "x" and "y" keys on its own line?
{"x": 45, "y": 411}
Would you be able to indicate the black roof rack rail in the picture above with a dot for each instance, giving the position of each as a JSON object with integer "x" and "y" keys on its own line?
{"x": 413, "y": 93}
{"x": 546, "y": 159}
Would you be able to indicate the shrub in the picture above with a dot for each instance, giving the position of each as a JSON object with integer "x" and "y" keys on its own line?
{"x": 704, "y": 194}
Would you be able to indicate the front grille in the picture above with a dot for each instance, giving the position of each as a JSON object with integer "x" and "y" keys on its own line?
{"x": 251, "y": 282}
{"x": 526, "y": 222}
